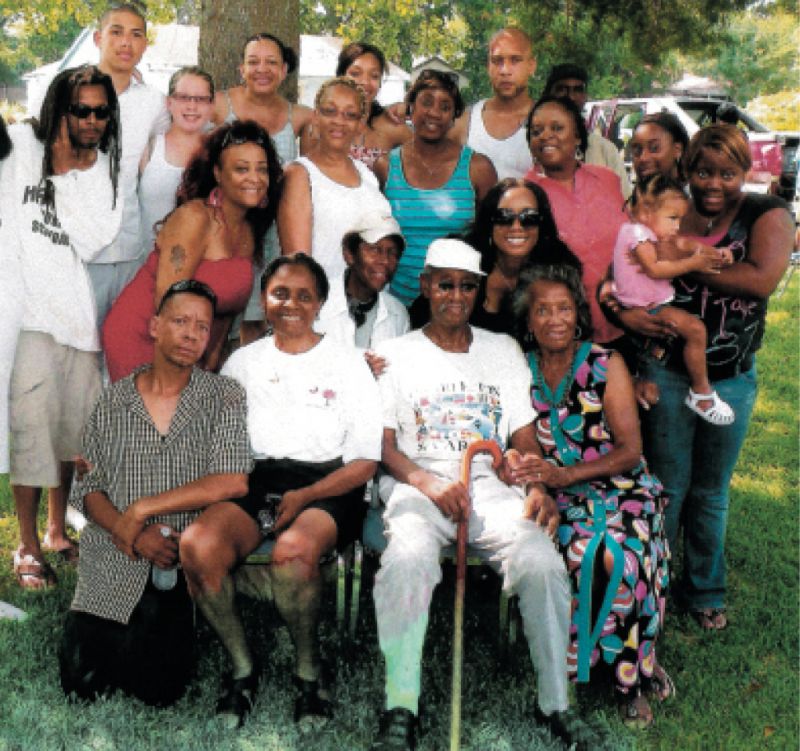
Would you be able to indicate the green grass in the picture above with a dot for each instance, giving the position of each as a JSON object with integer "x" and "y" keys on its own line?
{"x": 736, "y": 690}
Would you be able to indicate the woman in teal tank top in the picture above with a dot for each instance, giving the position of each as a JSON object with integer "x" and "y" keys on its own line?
{"x": 433, "y": 183}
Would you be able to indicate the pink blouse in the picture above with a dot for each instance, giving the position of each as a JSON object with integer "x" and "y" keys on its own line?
{"x": 588, "y": 219}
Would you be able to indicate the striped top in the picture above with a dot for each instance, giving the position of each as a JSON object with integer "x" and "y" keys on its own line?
{"x": 425, "y": 215}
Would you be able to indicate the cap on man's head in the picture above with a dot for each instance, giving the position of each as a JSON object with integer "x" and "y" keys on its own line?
{"x": 373, "y": 226}
{"x": 562, "y": 72}
{"x": 453, "y": 254}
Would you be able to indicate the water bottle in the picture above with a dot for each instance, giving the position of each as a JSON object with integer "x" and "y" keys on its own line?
{"x": 164, "y": 578}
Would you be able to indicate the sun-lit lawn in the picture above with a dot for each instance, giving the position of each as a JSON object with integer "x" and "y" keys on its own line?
{"x": 736, "y": 690}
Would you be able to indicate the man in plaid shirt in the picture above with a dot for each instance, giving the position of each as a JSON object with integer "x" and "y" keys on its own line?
{"x": 161, "y": 444}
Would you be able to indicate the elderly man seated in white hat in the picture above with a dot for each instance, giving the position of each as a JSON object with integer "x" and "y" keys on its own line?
{"x": 360, "y": 310}
{"x": 445, "y": 386}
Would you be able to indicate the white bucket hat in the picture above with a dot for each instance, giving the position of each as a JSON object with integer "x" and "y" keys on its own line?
{"x": 454, "y": 254}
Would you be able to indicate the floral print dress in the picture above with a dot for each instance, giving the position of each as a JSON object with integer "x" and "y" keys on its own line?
{"x": 616, "y": 616}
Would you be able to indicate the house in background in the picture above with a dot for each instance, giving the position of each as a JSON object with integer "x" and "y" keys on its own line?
{"x": 175, "y": 45}
{"x": 437, "y": 63}
{"x": 318, "y": 57}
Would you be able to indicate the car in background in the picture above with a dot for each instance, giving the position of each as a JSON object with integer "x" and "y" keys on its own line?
{"x": 774, "y": 155}
{"x": 789, "y": 187}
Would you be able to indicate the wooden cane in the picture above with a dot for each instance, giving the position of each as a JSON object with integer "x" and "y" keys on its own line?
{"x": 461, "y": 576}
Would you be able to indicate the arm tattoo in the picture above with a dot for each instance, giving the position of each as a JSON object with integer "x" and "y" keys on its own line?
{"x": 177, "y": 256}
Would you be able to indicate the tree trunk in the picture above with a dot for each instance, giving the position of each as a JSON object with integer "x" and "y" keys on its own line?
{"x": 225, "y": 24}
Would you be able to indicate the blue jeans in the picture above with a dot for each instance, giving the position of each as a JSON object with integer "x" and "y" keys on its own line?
{"x": 695, "y": 460}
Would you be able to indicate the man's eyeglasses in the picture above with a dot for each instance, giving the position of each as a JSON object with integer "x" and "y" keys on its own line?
{"x": 375, "y": 250}
{"x": 83, "y": 111}
{"x": 186, "y": 98}
{"x": 466, "y": 288}
{"x": 526, "y": 217}
{"x": 563, "y": 89}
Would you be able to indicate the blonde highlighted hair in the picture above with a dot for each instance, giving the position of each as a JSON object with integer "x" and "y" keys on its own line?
{"x": 347, "y": 83}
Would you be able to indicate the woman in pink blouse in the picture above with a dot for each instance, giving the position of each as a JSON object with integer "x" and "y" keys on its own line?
{"x": 587, "y": 200}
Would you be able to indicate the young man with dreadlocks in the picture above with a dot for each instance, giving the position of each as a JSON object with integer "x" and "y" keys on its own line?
{"x": 59, "y": 203}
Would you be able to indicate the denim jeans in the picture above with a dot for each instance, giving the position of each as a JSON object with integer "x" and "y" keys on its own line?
{"x": 694, "y": 461}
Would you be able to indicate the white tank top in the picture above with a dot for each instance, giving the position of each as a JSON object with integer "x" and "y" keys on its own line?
{"x": 157, "y": 186}
{"x": 511, "y": 156}
{"x": 335, "y": 209}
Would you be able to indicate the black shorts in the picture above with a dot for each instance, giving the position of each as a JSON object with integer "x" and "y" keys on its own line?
{"x": 277, "y": 476}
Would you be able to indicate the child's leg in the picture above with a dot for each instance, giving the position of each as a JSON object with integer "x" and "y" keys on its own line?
{"x": 693, "y": 331}
{"x": 702, "y": 398}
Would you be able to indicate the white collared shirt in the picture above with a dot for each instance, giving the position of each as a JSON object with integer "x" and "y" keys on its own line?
{"x": 391, "y": 319}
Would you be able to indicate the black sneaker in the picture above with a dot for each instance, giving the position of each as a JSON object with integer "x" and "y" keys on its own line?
{"x": 570, "y": 728}
{"x": 238, "y": 698}
{"x": 312, "y": 706}
{"x": 397, "y": 731}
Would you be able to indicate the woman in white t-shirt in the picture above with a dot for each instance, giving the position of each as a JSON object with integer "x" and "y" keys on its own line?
{"x": 314, "y": 421}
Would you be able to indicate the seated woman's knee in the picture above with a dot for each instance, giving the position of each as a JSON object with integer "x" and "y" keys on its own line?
{"x": 299, "y": 548}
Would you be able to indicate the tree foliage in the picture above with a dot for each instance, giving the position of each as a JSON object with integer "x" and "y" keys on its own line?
{"x": 780, "y": 111}
{"x": 655, "y": 27}
{"x": 403, "y": 29}
{"x": 35, "y": 32}
{"x": 627, "y": 45}
{"x": 755, "y": 54}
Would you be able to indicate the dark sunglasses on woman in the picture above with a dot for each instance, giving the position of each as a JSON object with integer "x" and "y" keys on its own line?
{"x": 526, "y": 217}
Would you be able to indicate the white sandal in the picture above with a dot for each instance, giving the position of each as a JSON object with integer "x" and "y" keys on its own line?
{"x": 719, "y": 413}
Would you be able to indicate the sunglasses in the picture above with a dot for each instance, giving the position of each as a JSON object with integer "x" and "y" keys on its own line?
{"x": 526, "y": 217}
{"x": 237, "y": 140}
{"x": 83, "y": 111}
{"x": 186, "y": 98}
{"x": 466, "y": 288}
{"x": 562, "y": 89}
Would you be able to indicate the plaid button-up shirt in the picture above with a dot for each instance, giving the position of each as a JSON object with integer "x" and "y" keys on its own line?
{"x": 131, "y": 459}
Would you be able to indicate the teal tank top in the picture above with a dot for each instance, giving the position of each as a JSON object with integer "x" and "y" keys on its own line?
{"x": 425, "y": 215}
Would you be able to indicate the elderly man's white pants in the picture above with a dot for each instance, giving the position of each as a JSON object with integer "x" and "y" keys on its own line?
{"x": 517, "y": 548}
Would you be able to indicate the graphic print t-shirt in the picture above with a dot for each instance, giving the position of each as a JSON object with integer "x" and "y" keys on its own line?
{"x": 439, "y": 402}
